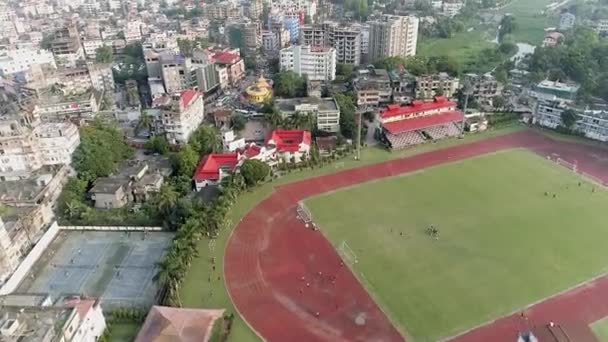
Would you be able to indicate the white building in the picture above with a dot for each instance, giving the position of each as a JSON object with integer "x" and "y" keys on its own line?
{"x": 602, "y": 27}
{"x": 325, "y": 111}
{"x": 90, "y": 46}
{"x": 24, "y": 150}
{"x": 56, "y": 142}
{"x": 592, "y": 123}
{"x": 181, "y": 114}
{"x": 345, "y": 38}
{"x": 36, "y": 318}
{"x": 393, "y": 35}
{"x": 566, "y": 21}
{"x": 318, "y": 63}
{"x": 19, "y": 60}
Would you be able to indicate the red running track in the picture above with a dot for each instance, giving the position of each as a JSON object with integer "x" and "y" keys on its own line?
{"x": 289, "y": 284}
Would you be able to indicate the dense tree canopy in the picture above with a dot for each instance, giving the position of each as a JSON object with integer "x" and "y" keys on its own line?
{"x": 582, "y": 58}
{"x": 102, "y": 147}
{"x": 206, "y": 140}
{"x": 289, "y": 84}
{"x": 104, "y": 54}
{"x": 569, "y": 118}
{"x": 507, "y": 26}
{"x": 254, "y": 171}
{"x": 238, "y": 122}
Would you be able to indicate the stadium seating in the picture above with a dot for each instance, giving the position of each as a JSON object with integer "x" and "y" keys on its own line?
{"x": 443, "y": 131}
{"x": 405, "y": 139}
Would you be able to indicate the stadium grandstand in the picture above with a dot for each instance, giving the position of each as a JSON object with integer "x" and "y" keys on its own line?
{"x": 420, "y": 121}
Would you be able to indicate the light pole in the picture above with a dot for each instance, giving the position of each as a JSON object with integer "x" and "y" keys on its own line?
{"x": 465, "y": 88}
{"x": 359, "y": 137}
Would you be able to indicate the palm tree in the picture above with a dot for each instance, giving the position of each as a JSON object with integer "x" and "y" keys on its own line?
{"x": 274, "y": 118}
{"x": 166, "y": 199}
{"x": 298, "y": 120}
{"x": 145, "y": 122}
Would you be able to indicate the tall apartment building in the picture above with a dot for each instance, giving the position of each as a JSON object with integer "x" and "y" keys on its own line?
{"x": 79, "y": 80}
{"x": 175, "y": 72}
{"x": 251, "y": 37}
{"x": 19, "y": 60}
{"x": 181, "y": 113}
{"x": 25, "y": 148}
{"x": 345, "y": 38}
{"x": 66, "y": 46}
{"x": 318, "y": 63}
{"x": 483, "y": 87}
{"x": 393, "y": 35}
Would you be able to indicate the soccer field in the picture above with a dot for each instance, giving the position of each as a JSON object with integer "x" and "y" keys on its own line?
{"x": 503, "y": 243}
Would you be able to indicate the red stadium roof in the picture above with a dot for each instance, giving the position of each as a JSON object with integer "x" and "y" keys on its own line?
{"x": 416, "y": 106}
{"x": 209, "y": 167}
{"x": 289, "y": 140}
{"x": 406, "y": 125}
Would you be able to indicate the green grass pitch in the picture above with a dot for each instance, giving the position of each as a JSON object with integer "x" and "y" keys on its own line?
{"x": 600, "y": 328}
{"x": 503, "y": 243}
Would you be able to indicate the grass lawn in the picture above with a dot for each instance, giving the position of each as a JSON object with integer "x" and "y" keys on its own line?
{"x": 462, "y": 47}
{"x": 600, "y": 328}
{"x": 530, "y": 20}
{"x": 501, "y": 244}
{"x": 196, "y": 290}
{"x": 124, "y": 332}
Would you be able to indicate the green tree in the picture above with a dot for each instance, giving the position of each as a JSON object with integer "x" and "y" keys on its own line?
{"x": 499, "y": 102}
{"x": 104, "y": 54}
{"x": 272, "y": 115}
{"x": 254, "y": 171}
{"x": 157, "y": 144}
{"x": 185, "y": 46}
{"x": 348, "y": 126}
{"x": 345, "y": 70}
{"x": 206, "y": 140}
{"x": 569, "y": 118}
{"x": 507, "y": 26}
{"x": 238, "y": 122}
{"x": 289, "y": 84}
{"x": 186, "y": 160}
{"x": 144, "y": 123}
{"x": 102, "y": 147}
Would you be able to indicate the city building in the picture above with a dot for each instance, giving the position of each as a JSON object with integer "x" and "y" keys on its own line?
{"x": 90, "y": 46}
{"x": 393, "y": 35}
{"x": 110, "y": 192}
{"x": 66, "y": 46}
{"x": 229, "y": 65}
{"x": 214, "y": 167}
{"x": 25, "y": 148}
{"x": 318, "y": 63}
{"x": 259, "y": 92}
{"x": 592, "y": 123}
{"x": 170, "y": 324}
{"x": 420, "y": 121}
{"x": 345, "y": 38}
{"x": 80, "y": 80}
{"x": 54, "y": 107}
{"x": 430, "y": 86}
{"x": 34, "y": 318}
{"x": 181, "y": 113}
{"x": 566, "y": 21}
{"x": 20, "y": 60}
{"x": 483, "y": 88}
{"x": 289, "y": 145}
{"x": 554, "y": 90}
{"x": 552, "y": 38}
{"x": 175, "y": 72}
{"x": 325, "y": 111}
{"x": 372, "y": 88}
{"x": 601, "y": 27}
{"x": 251, "y": 37}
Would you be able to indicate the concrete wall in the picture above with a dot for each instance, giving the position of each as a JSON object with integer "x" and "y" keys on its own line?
{"x": 13, "y": 282}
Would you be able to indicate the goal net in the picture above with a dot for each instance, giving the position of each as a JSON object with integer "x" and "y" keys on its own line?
{"x": 571, "y": 166}
{"x": 303, "y": 213}
{"x": 347, "y": 254}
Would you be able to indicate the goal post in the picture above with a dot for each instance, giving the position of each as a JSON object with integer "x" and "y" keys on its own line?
{"x": 347, "y": 254}
{"x": 571, "y": 166}
{"x": 303, "y": 213}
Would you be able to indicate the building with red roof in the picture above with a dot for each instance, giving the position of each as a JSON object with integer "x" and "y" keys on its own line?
{"x": 419, "y": 121}
{"x": 289, "y": 144}
{"x": 214, "y": 167}
{"x": 179, "y": 115}
{"x": 229, "y": 65}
